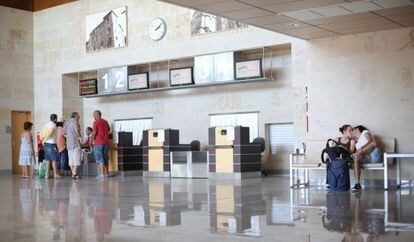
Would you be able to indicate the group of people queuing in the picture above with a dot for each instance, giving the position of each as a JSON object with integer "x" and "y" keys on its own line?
{"x": 363, "y": 147}
{"x": 63, "y": 144}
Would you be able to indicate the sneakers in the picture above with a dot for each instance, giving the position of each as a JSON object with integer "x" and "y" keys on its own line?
{"x": 357, "y": 187}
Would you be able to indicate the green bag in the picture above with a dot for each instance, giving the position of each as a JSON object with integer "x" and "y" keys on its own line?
{"x": 42, "y": 170}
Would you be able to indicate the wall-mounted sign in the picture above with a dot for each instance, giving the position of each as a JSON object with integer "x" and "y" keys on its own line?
{"x": 88, "y": 87}
{"x": 181, "y": 76}
{"x": 224, "y": 67}
{"x": 138, "y": 81}
{"x": 248, "y": 69}
{"x": 113, "y": 80}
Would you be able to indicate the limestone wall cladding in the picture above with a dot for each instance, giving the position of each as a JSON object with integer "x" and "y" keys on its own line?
{"x": 357, "y": 79}
{"x": 16, "y": 68}
{"x": 364, "y": 78}
{"x": 59, "y": 47}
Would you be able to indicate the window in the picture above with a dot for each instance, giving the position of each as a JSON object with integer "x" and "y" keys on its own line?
{"x": 281, "y": 138}
{"x": 136, "y": 126}
{"x": 237, "y": 119}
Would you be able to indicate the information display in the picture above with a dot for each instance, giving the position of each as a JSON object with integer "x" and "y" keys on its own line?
{"x": 88, "y": 87}
{"x": 248, "y": 69}
{"x": 181, "y": 76}
{"x": 113, "y": 80}
{"x": 138, "y": 81}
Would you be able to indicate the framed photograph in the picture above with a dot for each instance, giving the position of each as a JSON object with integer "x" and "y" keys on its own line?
{"x": 248, "y": 69}
{"x": 138, "y": 81}
{"x": 203, "y": 23}
{"x": 88, "y": 87}
{"x": 106, "y": 30}
{"x": 181, "y": 76}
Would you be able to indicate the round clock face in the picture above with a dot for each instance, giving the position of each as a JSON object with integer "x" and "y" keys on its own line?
{"x": 157, "y": 29}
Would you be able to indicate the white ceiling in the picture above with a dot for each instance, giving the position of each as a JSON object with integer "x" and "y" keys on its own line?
{"x": 310, "y": 19}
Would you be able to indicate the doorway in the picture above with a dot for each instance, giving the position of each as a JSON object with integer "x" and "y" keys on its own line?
{"x": 18, "y": 119}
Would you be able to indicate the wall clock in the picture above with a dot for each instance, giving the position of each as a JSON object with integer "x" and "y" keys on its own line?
{"x": 157, "y": 29}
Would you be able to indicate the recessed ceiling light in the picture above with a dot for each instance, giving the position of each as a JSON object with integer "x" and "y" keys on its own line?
{"x": 292, "y": 25}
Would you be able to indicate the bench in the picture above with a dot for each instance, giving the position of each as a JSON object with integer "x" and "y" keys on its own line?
{"x": 312, "y": 160}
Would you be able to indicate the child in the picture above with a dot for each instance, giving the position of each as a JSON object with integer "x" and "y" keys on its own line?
{"x": 86, "y": 146}
{"x": 61, "y": 146}
{"x": 26, "y": 158}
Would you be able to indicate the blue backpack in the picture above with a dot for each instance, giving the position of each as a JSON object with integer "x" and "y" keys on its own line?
{"x": 337, "y": 169}
{"x": 337, "y": 173}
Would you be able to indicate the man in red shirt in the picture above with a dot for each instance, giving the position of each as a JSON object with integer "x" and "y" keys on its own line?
{"x": 100, "y": 135}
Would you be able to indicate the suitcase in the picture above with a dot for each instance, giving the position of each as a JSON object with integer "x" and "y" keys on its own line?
{"x": 337, "y": 173}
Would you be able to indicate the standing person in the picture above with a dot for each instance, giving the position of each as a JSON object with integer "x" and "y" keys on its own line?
{"x": 100, "y": 136}
{"x": 367, "y": 151}
{"x": 61, "y": 146}
{"x": 73, "y": 137}
{"x": 48, "y": 138}
{"x": 26, "y": 157}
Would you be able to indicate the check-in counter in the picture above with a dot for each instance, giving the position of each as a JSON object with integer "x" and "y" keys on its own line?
{"x": 189, "y": 164}
{"x": 231, "y": 155}
{"x": 130, "y": 157}
{"x": 157, "y": 147}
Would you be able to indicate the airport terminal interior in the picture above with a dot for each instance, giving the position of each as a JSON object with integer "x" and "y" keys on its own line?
{"x": 207, "y": 120}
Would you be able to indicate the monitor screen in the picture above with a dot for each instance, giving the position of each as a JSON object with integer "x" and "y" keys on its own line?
{"x": 88, "y": 87}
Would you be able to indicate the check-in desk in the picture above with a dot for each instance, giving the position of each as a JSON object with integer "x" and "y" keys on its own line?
{"x": 130, "y": 161}
{"x": 231, "y": 155}
{"x": 189, "y": 164}
{"x": 158, "y": 145}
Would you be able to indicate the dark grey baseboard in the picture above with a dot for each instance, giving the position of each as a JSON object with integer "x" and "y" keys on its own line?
{"x": 6, "y": 172}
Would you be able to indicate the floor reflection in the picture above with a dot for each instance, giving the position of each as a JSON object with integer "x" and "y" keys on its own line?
{"x": 121, "y": 209}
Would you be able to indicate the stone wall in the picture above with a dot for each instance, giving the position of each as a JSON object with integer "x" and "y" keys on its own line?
{"x": 16, "y": 68}
{"x": 357, "y": 79}
{"x": 60, "y": 48}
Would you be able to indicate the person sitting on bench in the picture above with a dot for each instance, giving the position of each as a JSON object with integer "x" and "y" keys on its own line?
{"x": 346, "y": 140}
{"x": 367, "y": 151}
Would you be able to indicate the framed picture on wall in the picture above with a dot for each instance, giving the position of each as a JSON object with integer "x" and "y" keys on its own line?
{"x": 181, "y": 76}
{"x": 88, "y": 87}
{"x": 248, "y": 69}
{"x": 138, "y": 81}
{"x": 106, "y": 30}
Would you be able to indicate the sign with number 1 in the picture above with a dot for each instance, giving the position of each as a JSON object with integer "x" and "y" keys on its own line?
{"x": 112, "y": 80}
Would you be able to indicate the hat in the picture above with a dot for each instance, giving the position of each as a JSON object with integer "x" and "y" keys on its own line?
{"x": 61, "y": 120}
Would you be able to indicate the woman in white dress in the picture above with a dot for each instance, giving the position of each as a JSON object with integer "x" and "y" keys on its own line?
{"x": 26, "y": 159}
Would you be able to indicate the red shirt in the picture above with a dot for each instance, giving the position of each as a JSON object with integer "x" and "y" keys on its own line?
{"x": 101, "y": 128}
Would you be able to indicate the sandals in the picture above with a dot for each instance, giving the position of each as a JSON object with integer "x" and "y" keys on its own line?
{"x": 77, "y": 177}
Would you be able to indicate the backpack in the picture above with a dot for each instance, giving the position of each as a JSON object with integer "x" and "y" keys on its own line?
{"x": 338, "y": 150}
{"x": 337, "y": 175}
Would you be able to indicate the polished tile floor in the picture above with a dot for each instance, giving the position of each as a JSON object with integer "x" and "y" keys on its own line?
{"x": 137, "y": 209}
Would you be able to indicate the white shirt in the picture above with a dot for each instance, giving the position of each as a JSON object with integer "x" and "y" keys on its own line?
{"x": 362, "y": 140}
{"x": 51, "y": 125}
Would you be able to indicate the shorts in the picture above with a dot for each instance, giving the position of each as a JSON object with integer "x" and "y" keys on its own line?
{"x": 374, "y": 157}
{"x": 74, "y": 156}
{"x": 101, "y": 153}
{"x": 51, "y": 153}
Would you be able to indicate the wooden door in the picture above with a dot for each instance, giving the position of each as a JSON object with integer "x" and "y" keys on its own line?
{"x": 18, "y": 119}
